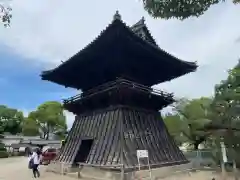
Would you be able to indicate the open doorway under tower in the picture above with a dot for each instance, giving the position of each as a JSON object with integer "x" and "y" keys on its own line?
{"x": 83, "y": 151}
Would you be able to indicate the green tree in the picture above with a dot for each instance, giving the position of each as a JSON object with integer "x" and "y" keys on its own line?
{"x": 5, "y": 14}
{"x": 165, "y": 9}
{"x": 10, "y": 120}
{"x": 226, "y": 104}
{"x": 30, "y": 128}
{"x": 1, "y": 127}
{"x": 175, "y": 125}
{"x": 50, "y": 118}
{"x": 3, "y": 150}
{"x": 2, "y": 147}
{"x": 190, "y": 117}
{"x": 227, "y": 98}
{"x": 180, "y": 9}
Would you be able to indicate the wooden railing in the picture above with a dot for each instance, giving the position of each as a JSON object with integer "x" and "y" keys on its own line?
{"x": 116, "y": 84}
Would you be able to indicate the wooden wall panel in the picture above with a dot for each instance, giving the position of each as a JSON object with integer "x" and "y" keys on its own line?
{"x": 142, "y": 129}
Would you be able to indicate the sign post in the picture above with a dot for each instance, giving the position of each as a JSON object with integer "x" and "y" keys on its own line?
{"x": 143, "y": 154}
{"x": 224, "y": 159}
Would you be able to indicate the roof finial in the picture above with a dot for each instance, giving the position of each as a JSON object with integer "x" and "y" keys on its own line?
{"x": 117, "y": 16}
{"x": 143, "y": 20}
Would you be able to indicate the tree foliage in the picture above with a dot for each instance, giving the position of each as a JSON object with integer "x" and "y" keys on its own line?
{"x": 180, "y": 9}
{"x": 207, "y": 119}
{"x": 47, "y": 119}
{"x": 227, "y": 105}
{"x": 2, "y": 146}
{"x": 5, "y": 14}
{"x": 10, "y": 120}
{"x": 227, "y": 97}
{"x": 188, "y": 117}
{"x": 175, "y": 126}
{"x": 166, "y": 9}
{"x": 30, "y": 127}
{"x": 50, "y": 118}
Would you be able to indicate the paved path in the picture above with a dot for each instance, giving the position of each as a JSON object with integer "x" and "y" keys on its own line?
{"x": 16, "y": 169}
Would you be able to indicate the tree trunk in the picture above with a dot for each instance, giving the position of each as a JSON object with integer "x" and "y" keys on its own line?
{"x": 47, "y": 136}
{"x": 196, "y": 146}
{"x": 47, "y": 133}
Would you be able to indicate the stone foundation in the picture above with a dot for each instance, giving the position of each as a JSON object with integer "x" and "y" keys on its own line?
{"x": 102, "y": 174}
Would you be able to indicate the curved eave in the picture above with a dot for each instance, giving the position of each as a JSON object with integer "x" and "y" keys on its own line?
{"x": 117, "y": 26}
{"x": 91, "y": 45}
{"x": 185, "y": 66}
{"x": 191, "y": 65}
{"x": 142, "y": 25}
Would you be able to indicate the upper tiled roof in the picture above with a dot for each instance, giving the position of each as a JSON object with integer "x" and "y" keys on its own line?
{"x": 140, "y": 29}
{"x": 119, "y": 51}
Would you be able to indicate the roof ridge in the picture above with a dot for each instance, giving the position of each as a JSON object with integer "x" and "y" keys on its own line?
{"x": 117, "y": 22}
{"x": 140, "y": 22}
{"x": 116, "y": 17}
{"x": 141, "y": 25}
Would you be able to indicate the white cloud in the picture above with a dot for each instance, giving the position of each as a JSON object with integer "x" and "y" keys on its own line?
{"x": 51, "y": 30}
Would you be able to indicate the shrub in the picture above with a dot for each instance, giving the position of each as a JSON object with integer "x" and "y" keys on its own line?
{"x": 3, "y": 151}
{"x": 21, "y": 154}
{"x": 2, "y": 147}
{"x": 17, "y": 153}
{"x": 3, "y": 154}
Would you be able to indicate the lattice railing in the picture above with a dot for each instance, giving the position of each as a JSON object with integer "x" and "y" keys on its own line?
{"x": 116, "y": 84}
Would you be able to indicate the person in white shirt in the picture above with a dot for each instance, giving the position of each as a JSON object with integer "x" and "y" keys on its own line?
{"x": 35, "y": 161}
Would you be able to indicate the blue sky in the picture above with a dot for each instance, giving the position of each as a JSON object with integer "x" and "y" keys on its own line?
{"x": 21, "y": 86}
{"x": 45, "y": 32}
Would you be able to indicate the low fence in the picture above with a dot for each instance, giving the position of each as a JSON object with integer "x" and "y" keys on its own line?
{"x": 202, "y": 158}
{"x": 199, "y": 161}
{"x": 59, "y": 167}
{"x": 99, "y": 172}
{"x": 214, "y": 156}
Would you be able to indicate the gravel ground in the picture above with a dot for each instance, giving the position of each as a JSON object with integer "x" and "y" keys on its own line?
{"x": 16, "y": 169}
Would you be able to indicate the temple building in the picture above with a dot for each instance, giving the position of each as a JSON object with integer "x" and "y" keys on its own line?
{"x": 117, "y": 112}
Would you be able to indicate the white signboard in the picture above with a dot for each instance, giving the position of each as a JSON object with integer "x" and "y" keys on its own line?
{"x": 142, "y": 154}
